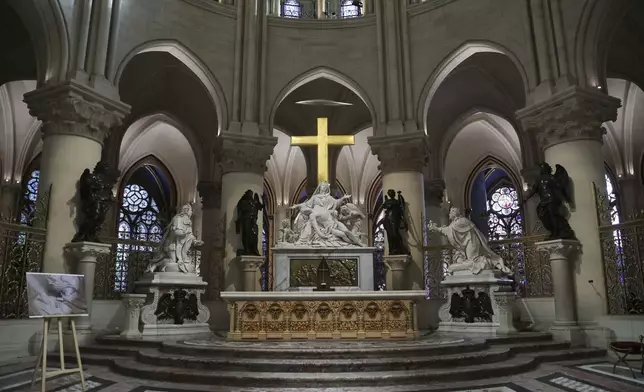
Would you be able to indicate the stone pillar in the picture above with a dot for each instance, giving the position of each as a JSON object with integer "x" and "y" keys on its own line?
{"x": 133, "y": 304}
{"x": 250, "y": 271}
{"x": 212, "y": 234}
{"x": 562, "y": 255}
{"x": 75, "y": 120}
{"x": 10, "y": 201}
{"x": 397, "y": 265}
{"x": 85, "y": 255}
{"x": 242, "y": 159}
{"x": 402, "y": 159}
{"x": 629, "y": 196}
{"x": 569, "y": 130}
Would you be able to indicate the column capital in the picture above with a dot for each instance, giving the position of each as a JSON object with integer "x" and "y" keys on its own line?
{"x": 574, "y": 114}
{"x": 435, "y": 191}
{"x": 243, "y": 153}
{"x": 210, "y": 193}
{"x": 560, "y": 249}
{"x": 405, "y": 152}
{"x": 75, "y": 109}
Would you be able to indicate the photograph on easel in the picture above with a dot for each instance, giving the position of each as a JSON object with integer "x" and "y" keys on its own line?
{"x": 56, "y": 295}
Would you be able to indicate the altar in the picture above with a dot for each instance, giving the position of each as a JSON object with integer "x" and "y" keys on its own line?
{"x": 294, "y": 267}
{"x": 352, "y": 315}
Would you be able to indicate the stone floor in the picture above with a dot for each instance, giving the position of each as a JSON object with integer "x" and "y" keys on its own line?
{"x": 586, "y": 376}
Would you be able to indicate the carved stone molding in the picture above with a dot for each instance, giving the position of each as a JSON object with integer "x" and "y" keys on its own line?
{"x": 558, "y": 249}
{"x": 210, "y": 193}
{"x": 434, "y": 191}
{"x": 74, "y": 109}
{"x": 243, "y": 153}
{"x": 575, "y": 114}
{"x": 406, "y": 152}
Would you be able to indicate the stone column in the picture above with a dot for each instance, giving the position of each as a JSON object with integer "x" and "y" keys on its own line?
{"x": 569, "y": 130}
{"x": 562, "y": 255}
{"x": 85, "y": 255}
{"x": 402, "y": 159}
{"x": 133, "y": 304}
{"x": 397, "y": 265}
{"x": 10, "y": 201}
{"x": 75, "y": 120}
{"x": 242, "y": 159}
{"x": 250, "y": 271}
{"x": 629, "y": 195}
{"x": 212, "y": 235}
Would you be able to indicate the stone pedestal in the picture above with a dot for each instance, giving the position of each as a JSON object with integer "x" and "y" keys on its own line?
{"x": 84, "y": 255}
{"x": 133, "y": 304}
{"x": 500, "y": 298}
{"x": 166, "y": 290}
{"x": 294, "y": 264}
{"x": 249, "y": 267}
{"x": 560, "y": 253}
{"x": 397, "y": 265}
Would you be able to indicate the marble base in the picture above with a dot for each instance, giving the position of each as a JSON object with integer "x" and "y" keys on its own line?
{"x": 283, "y": 315}
{"x": 569, "y": 333}
{"x": 496, "y": 286}
{"x": 283, "y": 255}
{"x": 158, "y": 284}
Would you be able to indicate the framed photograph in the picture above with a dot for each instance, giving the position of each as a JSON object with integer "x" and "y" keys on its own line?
{"x": 56, "y": 295}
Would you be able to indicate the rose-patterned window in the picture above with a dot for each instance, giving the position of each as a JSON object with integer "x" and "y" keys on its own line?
{"x": 29, "y": 196}
{"x": 504, "y": 219}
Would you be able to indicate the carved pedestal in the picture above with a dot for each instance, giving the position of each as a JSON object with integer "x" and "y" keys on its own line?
{"x": 397, "y": 265}
{"x": 173, "y": 305}
{"x": 85, "y": 255}
{"x": 565, "y": 327}
{"x": 250, "y": 265}
{"x": 480, "y": 303}
{"x": 133, "y": 304}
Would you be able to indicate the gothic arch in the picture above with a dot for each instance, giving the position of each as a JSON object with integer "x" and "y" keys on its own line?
{"x": 490, "y": 161}
{"x": 326, "y": 73}
{"x": 451, "y": 62}
{"x": 47, "y": 28}
{"x": 193, "y": 63}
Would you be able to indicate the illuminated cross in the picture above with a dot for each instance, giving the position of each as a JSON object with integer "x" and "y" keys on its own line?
{"x": 322, "y": 140}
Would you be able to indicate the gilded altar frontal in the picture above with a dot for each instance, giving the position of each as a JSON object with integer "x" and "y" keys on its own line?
{"x": 342, "y": 272}
{"x": 322, "y": 319}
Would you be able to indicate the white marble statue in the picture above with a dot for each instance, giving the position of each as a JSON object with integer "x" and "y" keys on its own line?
{"x": 178, "y": 238}
{"x": 286, "y": 235}
{"x": 471, "y": 251}
{"x": 318, "y": 221}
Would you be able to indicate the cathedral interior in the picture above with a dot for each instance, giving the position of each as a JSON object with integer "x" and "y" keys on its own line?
{"x": 453, "y": 103}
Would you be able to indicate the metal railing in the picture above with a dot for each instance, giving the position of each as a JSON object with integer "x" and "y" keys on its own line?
{"x": 532, "y": 273}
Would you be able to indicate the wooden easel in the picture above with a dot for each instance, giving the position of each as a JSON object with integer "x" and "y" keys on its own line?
{"x": 42, "y": 357}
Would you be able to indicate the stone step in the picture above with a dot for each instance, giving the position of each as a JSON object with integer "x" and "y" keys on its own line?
{"x": 325, "y": 365}
{"x": 521, "y": 337}
{"x": 117, "y": 340}
{"x": 110, "y": 350}
{"x": 337, "y": 350}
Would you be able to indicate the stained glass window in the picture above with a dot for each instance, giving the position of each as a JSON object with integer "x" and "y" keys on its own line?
{"x": 612, "y": 200}
{"x": 504, "y": 220}
{"x": 350, "y": 9}
{"x": 29, "y": 196}
{"x": 265, "y": 280}
{"x": 291, "y": 9}
{"x": 379, "y": 271}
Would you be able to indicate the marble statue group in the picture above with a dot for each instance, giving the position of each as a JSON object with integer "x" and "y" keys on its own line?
{"x": 324, "y": 221}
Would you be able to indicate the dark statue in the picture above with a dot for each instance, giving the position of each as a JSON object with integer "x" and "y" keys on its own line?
{"x": 470, "y": 307}
{"x": 553, "y": 190}
{"x": 395, "y": 222}
{"x": 95, "y": 191}
{"x": 248, "y": 208}
{"x": 178, "y": 307}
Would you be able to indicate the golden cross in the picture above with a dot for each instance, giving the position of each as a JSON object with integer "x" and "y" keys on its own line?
{"x": 322, "y": 140}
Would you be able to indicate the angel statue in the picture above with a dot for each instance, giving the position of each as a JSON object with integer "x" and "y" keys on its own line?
{"x": 553, "y": 190}
{"x": 248, "y": 208}
{"x": 285, "y": 233}
{"x": 471, "y": 251}
{"x": 352, "y": 218}
{"x": 318, "y": 220}
{"x": 96, "y": 198}
{"x": 178, "y": 238}
{"x": 395, "y": 222}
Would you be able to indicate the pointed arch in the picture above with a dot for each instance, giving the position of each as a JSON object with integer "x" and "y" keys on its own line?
{"x": 193, "y": 63}
{"x": 453, "y": 60}
{"x": 326, "y": 73}
{"x": 491, "y": 161}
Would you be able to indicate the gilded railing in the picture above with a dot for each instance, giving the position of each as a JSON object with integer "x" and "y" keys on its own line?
{"x": 531, "y": 268}
{"x": 22, "y": 245}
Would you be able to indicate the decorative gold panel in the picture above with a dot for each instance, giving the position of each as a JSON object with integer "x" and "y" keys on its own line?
{"x": 343, "y": 272}
{"x": 321, "y": 319}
